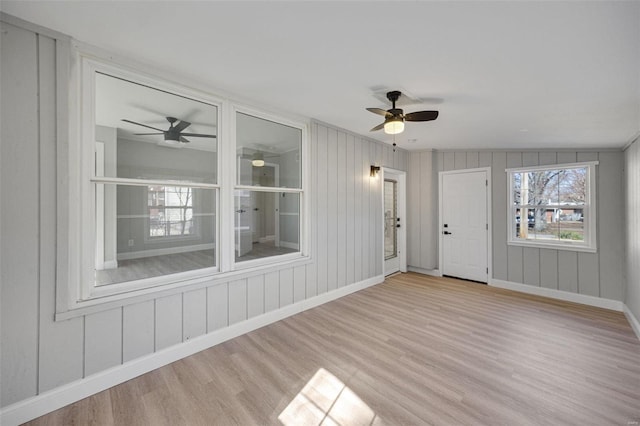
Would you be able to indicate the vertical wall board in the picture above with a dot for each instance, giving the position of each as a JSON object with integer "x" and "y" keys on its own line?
{"x": 312, "y": 268}
{"x": 499, "y": 213}
{"x": 439, "y": 161}
{"x": 413, "y": 210}
{"x": 255, "y": 296}
{"x": 546, "y": 158}
{"x": 632, "y": 228}
{"x": 433, "y": 232}
{"x": 514, "y": 253}
{"x": 138, "y": 330}
{"x": 426, "y": 210}
{"x": 341, "y": 215}
{"x": 299, "y": 282}
{"x": 549, "y": 268}
{"x": 168, "y": 321}
{"x": 588, "y": 274}
{"x": 103, "y": 341}
{"x": 566, "y": 157}
{"x": 324, "y": 169}
{"x": 472, "y": 160}
{"x": 20, "y": 220}
{"x": 485, "y": 159}
{"x": 568, "y": 271}
{"x": 272, "y": 291}
{"x": 460, "y": 160}
{"x": 237, "y": 301}
{"x": 531, "y": 263}
{"x": 530, "y": 159}
{"x": 349, "y": 211}
{"x": 60, "y": 348}
{"x": 194, "y": 306}
{"x": 515, "y": 264}
{"x": 332, "y": 210}
{"x": 610, "y": 211}
{"x": 217, "y": 306}
{"x": 357, "y": 208}
{"x": 286, "y": 287}
{"x": 366, "y": 231}
{"x": 375, "y": 223}
{"x": 587, "y": 156}
{"x": 449, "y": 161}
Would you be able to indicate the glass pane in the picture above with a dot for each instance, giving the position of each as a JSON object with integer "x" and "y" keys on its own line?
{"x": 145, "y": 133}
{"x": 572, "y": 188}
{"x": 265, "y": 144}
{"x": 390, "y": 220}
{"x": 150, "y": 231}
{"x": 571, "y": 225}
{"x": 266, "y": 224}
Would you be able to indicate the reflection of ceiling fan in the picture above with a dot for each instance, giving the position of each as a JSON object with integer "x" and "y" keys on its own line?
{"x": 174, "y": 135}
{"x": 257, "y": 157}
{"x": 394, "y": 118}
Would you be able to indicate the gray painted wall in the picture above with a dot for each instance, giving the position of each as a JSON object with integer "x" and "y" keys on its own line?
{"x": 595, "y": 274}
{"x": 39, "y": 354}
{"x": 632, "y": 228}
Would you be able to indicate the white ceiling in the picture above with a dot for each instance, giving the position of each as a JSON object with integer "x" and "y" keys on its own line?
{"x": 502, "y": 74}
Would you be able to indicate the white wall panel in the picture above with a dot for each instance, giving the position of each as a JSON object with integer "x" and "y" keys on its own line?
{"x": 138, "y": 330}
{"x": 102, "y": 341}
{"x": 237, "y": 301}
{"x": 350, "y": 218}
{"x": 286, "y": 287}
{"x": 332, "y": 209}
{"x": 299, "y": 283}
{"x": 341, "y": 210}
{"x": 194, "y": 315}
{"x": 168, "y": 321}
{"x": 632, "y": 229}
{"x": 255, "y": 296}
{"x": 271, "y": 291}
{"x": 218, "y": 307}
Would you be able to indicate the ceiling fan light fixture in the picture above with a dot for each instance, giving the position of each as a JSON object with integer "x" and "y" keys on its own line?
{"x": 257, "y": 160}
{"x": 394, "y": 126}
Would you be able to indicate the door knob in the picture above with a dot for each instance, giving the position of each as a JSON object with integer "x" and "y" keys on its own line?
{"x": 447, "y": 233}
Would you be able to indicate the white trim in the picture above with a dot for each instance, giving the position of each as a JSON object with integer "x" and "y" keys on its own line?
{"x": 164, "y": 251}
{"x": 584, "y": 299}
{"x": 431, "y": 272}
{"x": 401, "y": 202}
{"x": 552, "y": 166}
{"x": 289, "y": 245}
{"x": 633, "y": 321}
{"x": 47, "y": 402}
{"x": 489, "y": 202}
{"x": 110, "y": 264}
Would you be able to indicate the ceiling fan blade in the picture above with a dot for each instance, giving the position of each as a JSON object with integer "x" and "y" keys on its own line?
{"x": 378, "y": 111}
{"x": 421, "y": 116}
{"x": 198, "y": 135}
{"x": 147, "y": 134}
{"x": 181, "y": 126}
{"x": 378, "y": 127}
{"x": 143, "y": 125}
{"x": 183, "y": 140}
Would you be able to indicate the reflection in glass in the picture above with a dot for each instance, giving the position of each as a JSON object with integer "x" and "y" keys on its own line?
{"x": 262, "y": 143}
{"x": 266, "y": 224}
{"x": 149, "y": 231}
{"x": 390, "y": 219}
{"x": 147, "y": 133}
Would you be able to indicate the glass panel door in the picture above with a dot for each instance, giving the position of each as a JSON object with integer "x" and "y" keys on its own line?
{"x": 390, "y": 219}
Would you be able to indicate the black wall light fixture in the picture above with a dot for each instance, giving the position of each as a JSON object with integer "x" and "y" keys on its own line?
{"x": 374, "y": 171}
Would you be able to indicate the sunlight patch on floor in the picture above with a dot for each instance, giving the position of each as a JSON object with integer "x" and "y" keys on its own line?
{"x": 326, "y": 400}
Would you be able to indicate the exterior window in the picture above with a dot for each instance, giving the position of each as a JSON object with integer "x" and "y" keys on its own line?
{"x": 170, "y": 211}
{"x": 553, "y": 206}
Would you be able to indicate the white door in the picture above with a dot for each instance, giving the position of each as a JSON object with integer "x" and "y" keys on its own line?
{"x": 464, "y": 227}
{"x": 244, "y": 210}
{"x": 394, "y": 221}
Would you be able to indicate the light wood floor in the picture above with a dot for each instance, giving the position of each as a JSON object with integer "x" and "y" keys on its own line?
{"x": 415, "y": 350}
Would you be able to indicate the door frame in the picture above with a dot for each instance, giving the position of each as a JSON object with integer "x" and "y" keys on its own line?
{"x": 402, "y": 213}
{"x": 441, "y": 175}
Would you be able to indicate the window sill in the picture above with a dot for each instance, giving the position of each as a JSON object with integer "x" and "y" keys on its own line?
{"x": 564, "y": 247}
{"x": 182, "y": 283}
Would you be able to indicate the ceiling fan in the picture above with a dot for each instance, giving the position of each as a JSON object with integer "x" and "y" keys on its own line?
{"x": 394, "y": 118}
{"x": 258, "y": 157}
{"x": 174, "y": 135}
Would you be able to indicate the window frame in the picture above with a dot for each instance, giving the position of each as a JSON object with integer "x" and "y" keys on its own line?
{"x": 590, "y": 214}
{"x": 76, "y": 292}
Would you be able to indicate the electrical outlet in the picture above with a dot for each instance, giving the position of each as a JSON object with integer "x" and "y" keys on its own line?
{"x": 130, "y": 243}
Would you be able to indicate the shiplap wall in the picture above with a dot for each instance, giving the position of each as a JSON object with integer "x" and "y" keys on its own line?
{"x": 595, "y": 274}
{"x": 39, "y": 354}
{"x": 632, "y": 230}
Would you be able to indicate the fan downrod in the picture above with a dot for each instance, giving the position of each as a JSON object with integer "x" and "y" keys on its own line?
{"x": 393, "y": 96}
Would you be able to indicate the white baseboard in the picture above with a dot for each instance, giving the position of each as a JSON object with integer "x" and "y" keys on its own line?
{"x": 635, "y": 324}
{"x": 267, "y": 239}
{"x": 164, "y": 251}
{"x": 599, "y": 302}
{"x": 52, "y": 400}
{"x": 432, "y": 272}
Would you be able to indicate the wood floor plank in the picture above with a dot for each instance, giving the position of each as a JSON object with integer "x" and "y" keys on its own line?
{"x": 413, "y": 350}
